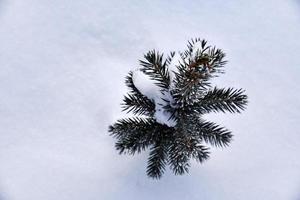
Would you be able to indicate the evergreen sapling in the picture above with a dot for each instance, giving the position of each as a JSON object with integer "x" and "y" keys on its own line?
{"x": 170, "y": 120}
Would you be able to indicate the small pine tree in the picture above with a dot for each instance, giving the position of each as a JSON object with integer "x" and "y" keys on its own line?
{"x": 190, "y": 97}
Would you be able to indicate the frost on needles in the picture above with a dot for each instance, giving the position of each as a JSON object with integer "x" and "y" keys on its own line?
{"x": 169, "y": 96}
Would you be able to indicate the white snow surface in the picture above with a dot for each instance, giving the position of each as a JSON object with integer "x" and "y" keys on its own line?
{"x": 62, "y": 69}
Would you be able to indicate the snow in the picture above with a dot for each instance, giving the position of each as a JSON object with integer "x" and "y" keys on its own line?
{"x": 153, "y": 92}
{"x": 172, "y": 67}
{"x": 145, "y": 85}
{"x": 161, "y": 115}
{"x": 62, "y": 69}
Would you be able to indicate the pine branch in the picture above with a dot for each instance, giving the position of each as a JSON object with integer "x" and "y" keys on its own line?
{"x": 138, "y": 105}
{"x": 170, "y": 57}
{"x": 133, "y": 134}
{"x": 156, "y": 67}
{"x": 217, "y": 61}
{"x": 194, "y": 72}
{"x": 200, "y": 153}
{"x": 188, "y": 84}
{"x": 205, "y": 57}
{"x": 130, "y": 84}
{"x": 133, "y": 143}
{"x": 210, "y": 132}
{"x": 157, "y": 160}
{"x": 135, "y": 101}
{"x": 179, "y": 154}
{"x": 231, "y": 100}
{"x": 191, "y": 44}
{"x": 123, "y": 127}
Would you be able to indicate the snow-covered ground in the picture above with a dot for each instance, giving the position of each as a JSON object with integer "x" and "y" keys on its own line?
{"x": 62, "y": 69}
